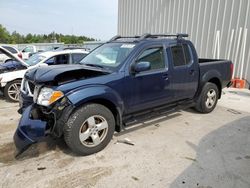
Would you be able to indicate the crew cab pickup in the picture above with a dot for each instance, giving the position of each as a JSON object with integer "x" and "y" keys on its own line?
{"x": 124, "y": 80}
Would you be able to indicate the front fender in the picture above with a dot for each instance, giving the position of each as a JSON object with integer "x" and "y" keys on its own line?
{"x": 10, "y": 76}
{"x": 88, "y": 93}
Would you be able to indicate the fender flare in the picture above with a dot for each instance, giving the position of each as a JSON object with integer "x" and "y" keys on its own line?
{"x": 90, "y": 93}
{"x": 212, "y": 74}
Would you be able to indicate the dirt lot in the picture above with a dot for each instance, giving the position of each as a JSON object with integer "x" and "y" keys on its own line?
{"x": 183, "y": 149}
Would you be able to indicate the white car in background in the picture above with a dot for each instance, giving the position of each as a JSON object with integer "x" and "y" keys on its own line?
{"x": 10, "y": 81}
{"x": 28, "y": 51}
{"x": 4, "y": 58}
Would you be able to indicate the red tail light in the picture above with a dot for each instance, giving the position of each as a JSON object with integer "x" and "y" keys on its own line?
{"x": 20, "y": 55}
{"x": 231, "y": 69}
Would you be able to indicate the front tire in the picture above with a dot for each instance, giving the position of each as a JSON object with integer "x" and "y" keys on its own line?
{"x": 89, "y": 129}
{"x": 12, "y": 90}
{"x": 208, "y": 98}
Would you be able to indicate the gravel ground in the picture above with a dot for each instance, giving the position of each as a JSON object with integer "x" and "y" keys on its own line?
{"x": 182, "y": 149}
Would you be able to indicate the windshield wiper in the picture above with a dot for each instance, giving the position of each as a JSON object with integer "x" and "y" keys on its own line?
{"x": 93, "y": 65}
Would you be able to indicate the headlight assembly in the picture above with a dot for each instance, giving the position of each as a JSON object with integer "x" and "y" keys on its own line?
{"x": 48, "y": 96}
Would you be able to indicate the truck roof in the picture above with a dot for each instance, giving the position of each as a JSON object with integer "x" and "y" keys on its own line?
{"x": 147, "y": 36}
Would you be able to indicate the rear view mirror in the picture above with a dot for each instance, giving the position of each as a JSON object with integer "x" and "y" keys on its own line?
{"x": 141, "y": 66}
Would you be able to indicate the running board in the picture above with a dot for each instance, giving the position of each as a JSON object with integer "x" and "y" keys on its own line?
{"x": 150, "y": 114}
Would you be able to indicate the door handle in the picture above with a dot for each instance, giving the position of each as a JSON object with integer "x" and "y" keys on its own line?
{"x": 165, "y": 76}
{"x": 191, "y": 72}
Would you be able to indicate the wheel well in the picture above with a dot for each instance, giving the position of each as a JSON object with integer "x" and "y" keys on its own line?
{"x": 20, "y": 79}
{"x": 217, "y": 82}
{"x": 112, "y": 107}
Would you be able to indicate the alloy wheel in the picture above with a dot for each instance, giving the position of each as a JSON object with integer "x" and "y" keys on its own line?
{"x": 93, "y": 131}
{"x": 13, "y": 91}
{"x": 211, "y": 98}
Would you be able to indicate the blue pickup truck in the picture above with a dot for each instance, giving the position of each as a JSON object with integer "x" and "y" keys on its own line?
{"x": 124, "y": 80}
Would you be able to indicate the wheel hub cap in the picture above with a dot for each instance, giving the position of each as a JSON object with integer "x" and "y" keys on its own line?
{"x": 211, "y": 98}
{"x": 93, "y": 131}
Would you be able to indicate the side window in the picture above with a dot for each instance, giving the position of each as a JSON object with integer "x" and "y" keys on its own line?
{"x": 50, "y": 61}
{"x": 187, "y": 53}
{"x": 57, "y": 60}
{"x": 178, "y": 55}
{"x": 154, "y": 56}
{"x": 62, "y": 59}
{"x": 76, "y": 58}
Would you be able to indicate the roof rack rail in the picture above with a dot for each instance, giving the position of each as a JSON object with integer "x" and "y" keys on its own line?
{"x": 145, "y": 35}
{"x": 148, "y": 35}
{"x": 178, "y": 35}
{"x": 119, "y": 36}
{"x": 75, "y": 48}
{"x": 115, "y": 38}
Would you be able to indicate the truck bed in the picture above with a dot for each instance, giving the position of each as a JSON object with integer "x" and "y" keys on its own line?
{"x": 204, "y": 60}
{"x": 219, "y": 66}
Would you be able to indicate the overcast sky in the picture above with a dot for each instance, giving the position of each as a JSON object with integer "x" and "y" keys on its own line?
{"x": 92, "y": 18}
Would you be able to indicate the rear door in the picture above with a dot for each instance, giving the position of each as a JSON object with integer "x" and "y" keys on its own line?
{"x": 185, "y": 73}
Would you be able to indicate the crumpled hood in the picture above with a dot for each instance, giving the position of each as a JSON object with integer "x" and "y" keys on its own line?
{"x": 62, "y": 73}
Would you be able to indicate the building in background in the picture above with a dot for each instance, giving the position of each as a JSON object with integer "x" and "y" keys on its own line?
{"x": 218, "y": 28}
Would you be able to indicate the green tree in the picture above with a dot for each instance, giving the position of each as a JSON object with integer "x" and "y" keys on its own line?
{"x": 16, "y": 38}
{"x": 4, "y": 35}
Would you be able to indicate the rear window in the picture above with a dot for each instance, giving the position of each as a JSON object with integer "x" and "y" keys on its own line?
{"x": 187, "y": 53}
{"x": 12, "y": 50}
{"x": 178, "y": 55}
{"x": 181, "y": 55}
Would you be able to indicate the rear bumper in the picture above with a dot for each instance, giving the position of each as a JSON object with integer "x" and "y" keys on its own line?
{"x": 29, "y": 130}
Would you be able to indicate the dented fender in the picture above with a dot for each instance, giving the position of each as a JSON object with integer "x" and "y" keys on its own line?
{"x": 83, "y": 95}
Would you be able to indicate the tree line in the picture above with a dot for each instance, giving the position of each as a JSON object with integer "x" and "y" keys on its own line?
{"x": 15, "y": 38}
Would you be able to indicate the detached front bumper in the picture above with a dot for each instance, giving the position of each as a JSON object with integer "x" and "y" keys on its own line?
{"x": 29, "y": 130}
{"x": 24, "y": 102}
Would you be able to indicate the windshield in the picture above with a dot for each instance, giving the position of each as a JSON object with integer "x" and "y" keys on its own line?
{"x": 109, "y": 55}
{"x": 34, "y": 59}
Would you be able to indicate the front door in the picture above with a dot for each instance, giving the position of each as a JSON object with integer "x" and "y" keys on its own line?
{"x": 149, "y": 88}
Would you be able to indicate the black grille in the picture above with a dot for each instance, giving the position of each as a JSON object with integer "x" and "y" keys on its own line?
{"x": 32, "y": 87}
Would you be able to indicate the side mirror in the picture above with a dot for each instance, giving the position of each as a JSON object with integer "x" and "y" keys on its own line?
{"x": 141, "y": 66}
{"x": 43, "y": 65}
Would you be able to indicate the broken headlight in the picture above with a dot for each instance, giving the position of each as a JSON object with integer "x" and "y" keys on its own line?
{"x": 47, "y": 96}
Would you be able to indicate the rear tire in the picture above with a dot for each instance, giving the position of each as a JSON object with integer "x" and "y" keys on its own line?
{"x": 89, "y": 129}
{"x": 12, "y": 90}
{"x": 208, "y": 98}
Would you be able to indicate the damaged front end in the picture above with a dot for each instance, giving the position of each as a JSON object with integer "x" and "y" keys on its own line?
{"x": 29, "y": 130}
{"x": 38, "y": 121}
